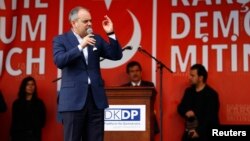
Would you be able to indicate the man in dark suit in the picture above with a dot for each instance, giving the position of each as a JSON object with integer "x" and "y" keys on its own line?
{"x": 134, "y": 71}
{"x": 82, "y": 98}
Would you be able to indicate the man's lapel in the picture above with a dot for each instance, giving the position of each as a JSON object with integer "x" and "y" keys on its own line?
{"x": 74, "y": 42}
{"x": 90, "y": 53}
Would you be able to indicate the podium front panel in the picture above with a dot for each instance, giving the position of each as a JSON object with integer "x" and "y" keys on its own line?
{"x": 130, "y": 115}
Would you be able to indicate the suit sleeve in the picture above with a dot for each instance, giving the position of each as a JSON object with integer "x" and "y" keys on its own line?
{"x": 151, "y": 84}
{"x": 62, "y": 56}
{"x": 111, "y": 50}
{"x": 185, "y": 104}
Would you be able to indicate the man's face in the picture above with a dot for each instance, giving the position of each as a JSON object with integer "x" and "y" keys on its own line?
{"x": 83, "y": 22}
{"x": 134, "y": 74}
{"x": 194, "y": 78}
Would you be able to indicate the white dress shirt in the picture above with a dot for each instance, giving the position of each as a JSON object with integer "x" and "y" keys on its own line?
{"x": 85, "y": 50}
{"x": 136, "y": 84}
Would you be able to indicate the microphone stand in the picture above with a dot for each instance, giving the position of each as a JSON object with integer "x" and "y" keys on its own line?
{"x": 160, "y": 66}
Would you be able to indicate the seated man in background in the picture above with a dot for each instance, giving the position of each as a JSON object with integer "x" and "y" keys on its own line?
{"x": 134, "y": 71}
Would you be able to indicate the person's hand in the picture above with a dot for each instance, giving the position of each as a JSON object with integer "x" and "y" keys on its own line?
{"x": 107, "y": 24}
{"x": 190, "y": 113}
{"x": 88, "y": 40}
{"x": 193, "y": 134}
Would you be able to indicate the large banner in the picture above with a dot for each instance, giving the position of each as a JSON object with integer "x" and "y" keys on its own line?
{"x": 179, "y": 33}
{"x": 216, "y": 34}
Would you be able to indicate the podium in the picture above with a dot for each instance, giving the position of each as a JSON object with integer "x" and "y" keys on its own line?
{"x": 130, "y": 96}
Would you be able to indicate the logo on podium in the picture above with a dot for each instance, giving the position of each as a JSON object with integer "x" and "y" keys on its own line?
{"x": 125, "y": 118}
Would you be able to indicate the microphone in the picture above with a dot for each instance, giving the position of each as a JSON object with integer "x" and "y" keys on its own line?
{"x": 127, "y": 48}
{"x": 123, "y": 49}
{"x": 90, "y": 31}
{"x": 140, "y": 49}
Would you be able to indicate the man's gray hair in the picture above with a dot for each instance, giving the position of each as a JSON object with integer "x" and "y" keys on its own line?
{"x": 73, "y": 14}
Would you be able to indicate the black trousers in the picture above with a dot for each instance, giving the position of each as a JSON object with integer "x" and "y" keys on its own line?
{"x": 86, "y": 124}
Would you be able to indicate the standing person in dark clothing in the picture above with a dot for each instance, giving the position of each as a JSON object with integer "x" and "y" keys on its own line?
{"x": 3, "y": 106}
{"x": 199, "y": 106}
{"x": 134, "y": 71}
{"x": 28, "y": 113}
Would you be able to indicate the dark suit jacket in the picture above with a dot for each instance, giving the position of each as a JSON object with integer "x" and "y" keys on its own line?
{"x": 75, "y": 71}
{"x": 143, "y": 84}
